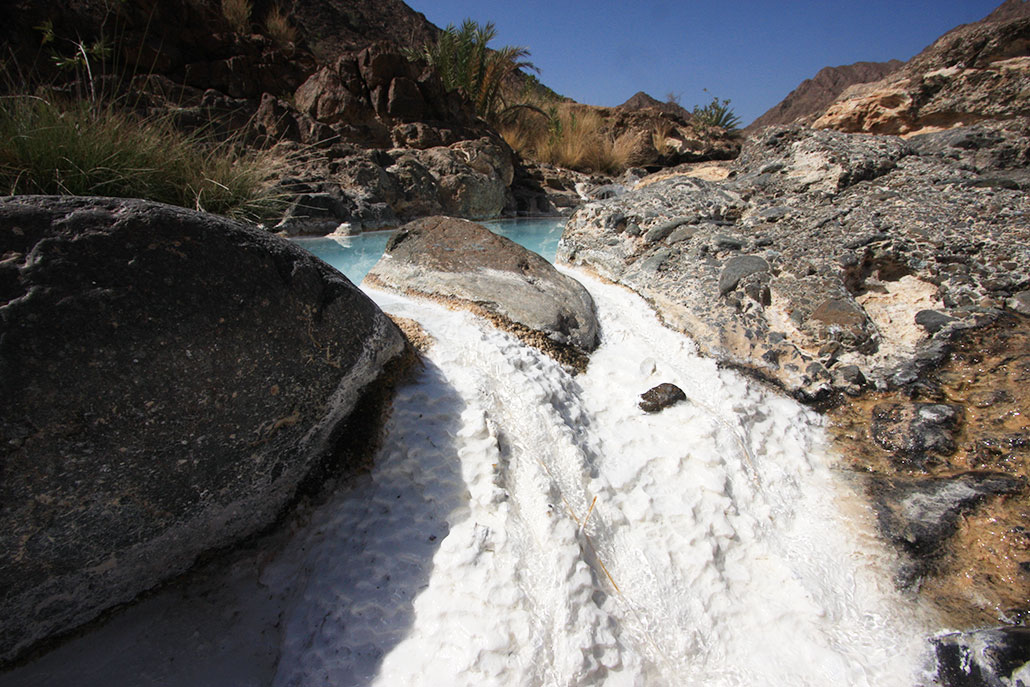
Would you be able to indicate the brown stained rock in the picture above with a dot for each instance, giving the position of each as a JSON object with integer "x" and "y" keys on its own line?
{"x": 812, "y": 96}
{"x": 974, "y": 72}
{"x": 976, "y": 567}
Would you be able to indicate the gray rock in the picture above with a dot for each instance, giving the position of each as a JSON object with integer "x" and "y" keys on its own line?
{"x": 737, "y": 268}
{"x": 860, "y": 233}
{"x": 661, "y": 231}
{"x": 460, "y": 261}
{"x": 983, "y": 658}
{"x": 168, "y": 379}
{"x": 1020, "y": 302}
{"x": 933, "y": 321}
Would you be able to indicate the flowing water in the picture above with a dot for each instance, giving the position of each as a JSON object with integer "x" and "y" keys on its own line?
{"x": 523, "y": 526}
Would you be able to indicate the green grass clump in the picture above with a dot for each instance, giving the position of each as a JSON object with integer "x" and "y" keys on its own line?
{"x": 84, "y": 148}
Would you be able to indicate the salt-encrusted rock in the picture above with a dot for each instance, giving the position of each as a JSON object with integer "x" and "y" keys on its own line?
{"x": 994, "y": 657}
{"x": 167, "y": 381}
{"x": 462, "y": 262}
{"x": 919, "y": 516}
{"x": 825, "y": 252}
{"x": 661, "y": 397}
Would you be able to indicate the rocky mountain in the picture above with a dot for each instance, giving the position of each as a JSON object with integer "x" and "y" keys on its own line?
{"x": 974, "y": 72}
{"x": 1009, "y": 10}
{"x": 642, "y": 101}
{"x": 813, "y": 96}
{"x": 366, "y": 137}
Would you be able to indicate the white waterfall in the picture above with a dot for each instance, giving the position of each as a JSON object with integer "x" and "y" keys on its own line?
{"x": 523, "y": 526}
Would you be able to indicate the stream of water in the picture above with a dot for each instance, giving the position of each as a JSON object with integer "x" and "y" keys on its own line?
{"x": 523, "y": 526}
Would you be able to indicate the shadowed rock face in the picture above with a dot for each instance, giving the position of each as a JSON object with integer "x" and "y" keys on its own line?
{"x": 460, "y": 261}
{"x": 167, "y": 381}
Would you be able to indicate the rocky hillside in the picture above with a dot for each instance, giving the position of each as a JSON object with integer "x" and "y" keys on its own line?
{"x": 813, "y": 96}
{"x": 365, "y": 137}
{"x": 975, "y": 72}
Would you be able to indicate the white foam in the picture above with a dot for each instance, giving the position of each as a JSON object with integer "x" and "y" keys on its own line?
{"x": 716, "y": 551}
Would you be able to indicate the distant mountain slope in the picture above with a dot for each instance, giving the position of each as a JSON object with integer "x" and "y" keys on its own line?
{"x": 814, "y": 95}
{"x": 1009, "y": 10}
{"x": 642, "y": 101}
{"x": 974, "y": 72}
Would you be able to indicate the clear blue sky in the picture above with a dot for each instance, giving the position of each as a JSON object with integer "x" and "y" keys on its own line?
{"x": 601, "y": 52}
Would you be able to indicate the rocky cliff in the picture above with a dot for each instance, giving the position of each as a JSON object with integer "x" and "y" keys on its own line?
{"x": 811, "y": 98}
{"x": 973, "y": 73}
{"x": 886, "y": 278}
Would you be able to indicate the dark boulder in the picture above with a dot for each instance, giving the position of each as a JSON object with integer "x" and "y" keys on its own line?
{"x": 661, "y": 397}
{"x": 462, "y": 262}
{"x": 912, "y": 431}
{"x": 168, "y": 379}
{"x": 984, "y": 658}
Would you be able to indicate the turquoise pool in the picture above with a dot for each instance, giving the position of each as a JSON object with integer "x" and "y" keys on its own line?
{"x": 355, "y": 255}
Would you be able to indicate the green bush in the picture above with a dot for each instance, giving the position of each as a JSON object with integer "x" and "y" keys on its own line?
{"x": 717, "y": 113}
{"x": 467, "y": 65}
{"x": 79, "y": 147}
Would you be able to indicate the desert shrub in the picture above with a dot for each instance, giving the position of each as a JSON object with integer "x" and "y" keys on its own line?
{"x": 567, "y": 136}
{"x": 79, "y": 147}
{"x": 279, "y": 29}
{"x": 717, "y": 113}
{"x": 237, "y": 13}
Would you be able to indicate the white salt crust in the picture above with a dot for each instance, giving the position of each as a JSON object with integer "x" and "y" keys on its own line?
{"x": 526, "y": 527}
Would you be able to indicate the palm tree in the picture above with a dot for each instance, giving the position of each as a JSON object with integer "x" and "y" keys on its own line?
{"x": 466, "y": 64}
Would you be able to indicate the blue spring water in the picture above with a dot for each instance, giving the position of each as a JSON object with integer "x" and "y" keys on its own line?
{"x": 356, "y": 255}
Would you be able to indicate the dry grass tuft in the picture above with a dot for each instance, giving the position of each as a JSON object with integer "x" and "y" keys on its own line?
{"x": 59, "y": 147}
{"x": 238, "y": 12}
{"x": 569, "y": 136}
{"x": 278, "y": 28}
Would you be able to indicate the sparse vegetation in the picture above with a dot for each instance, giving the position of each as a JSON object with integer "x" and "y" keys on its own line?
{"x": 466, "y": 64}
{"x": 237, "y": 13}
{"x": 717, "y": 113}
{"x": 567, "y": 136}
{"x": 279, "y": 29}
{"x": 79, "y": 147}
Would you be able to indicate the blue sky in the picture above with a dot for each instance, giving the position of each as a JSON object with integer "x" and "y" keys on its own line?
{"x": 601, "y": 52}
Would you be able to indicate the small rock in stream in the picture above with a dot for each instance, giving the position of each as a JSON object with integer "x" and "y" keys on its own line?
{"x": 661, "y": 397}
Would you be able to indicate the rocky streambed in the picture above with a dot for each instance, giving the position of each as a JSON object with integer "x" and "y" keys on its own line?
{"x": 886, "y": 281}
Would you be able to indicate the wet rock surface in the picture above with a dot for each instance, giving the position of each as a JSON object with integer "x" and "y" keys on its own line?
{"x": 661, "y": 397}
{"x": 958, "y": 512}
{"x": 992, "y": 657}
{"x": 919, "y": 516}
{"x": 810, "y": 264}
{"x": 168, "y": 380}
{"x": 461, "y": 262}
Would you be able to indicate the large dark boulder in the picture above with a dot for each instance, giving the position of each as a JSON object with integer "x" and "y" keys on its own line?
{"x": 168, "y": 379}
{"x": 464, "y": 263}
